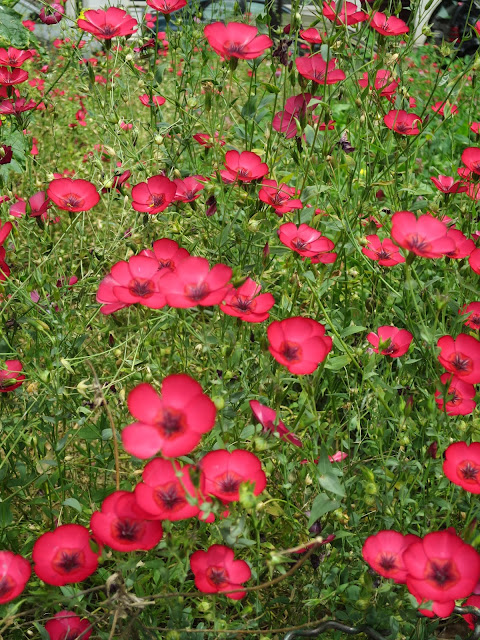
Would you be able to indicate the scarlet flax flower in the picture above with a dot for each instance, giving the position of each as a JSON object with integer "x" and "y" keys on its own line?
{"x": 267, "y": 417}
{"x": 222, "y": 473}
{"x": 474, "y": 260}
{"x": 123, "y": 525}
{"x": 167, "y": 6}
{"x": 311, "y": 35}
{"x": 317, "y": 69}
{"x": 154, "y": 195}
{"x": 439, "y": 107}
{"x": 384, "y": 553}
{"x": 447, "y": 184}
{"x": 402, "y": 122}
{"x": 304, "y": 240}
{"x": 462, "y": 465}
{"x": 66, "y": 625}
{"x": 167, "y": 253}
{"x": 64, "y": 556}
{"x": 383, "y": 251}
{"x": 296, "y": 109}
{"x": 236, "y": 40}
{"x": 472, "y": 601}
{"x": 73, "y": 195}
{"x": 459, "y": 396}
{"x": 388, "y": 26}
{"x": 279, "y": 196}
{"x": 189, "y": 189}
{"x": 215, "y": 571}
{"x": 384, "y": 82}
{"x": 426, "y": 237}
{"x": 12, "y": 57}
{"x": 299, "y": 344}
{"x": 10, "y": 378}
{"x": 470, "y": 158}
{"x": 247, "y": 303}
{"x": 245, "y": 167}
{"x": 472, "y": 311}
{"x": 172, "y": 423}
{"x": 9, "y": 77}
{"x": 390, "y": 341}
{"x": 156, "y": 101}
{"x": 463, "y": 245}
{"x": 461, "y": 356}
{"x": 347, "y": 15}
{"x": 106, "y": 24}
{"x": 167, "y": 491}
{"x": 14, "y": 574}
{"x": 5, "y": 229}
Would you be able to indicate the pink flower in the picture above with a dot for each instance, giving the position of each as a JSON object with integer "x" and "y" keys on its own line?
{"x": 459, "y": 396}
{"x": 123, "y": 525}
{"x": 172, "y": 423}
{"x": 64, "y": 556}
{"x": 157, "y": 101}
{"x": 65, "y": 625}
{"x": 315, "y": 68}
{"x": 402, "y": 122}
{"x": 383, "y": 251}
{"x": 299, "y": 344}
{"x": 382, "y": 83}
{"x": 384, "y": 553}
{"x": 280, "y": 196}
{"x": 14, "y": 574}
{"x": 207, "y": 141}
{"x": 388, "y": 26}
{"x": 38, "y": 205}
{"x": 236, "y": 40}
{"x": 474, "y": 260}
{"x": 15, "y": 107}
{"x": 463, "y": 245}
{"x": 390, "y": 341}
{"x": 472, "y": 601}
{"x": 167, "y": 491}
{"x": 296, "y": 108}
{"x": 12, "y": 57}
{"x": 439, "y": 107}
{"x": 5, "y": 229}
{"x": 29, "y": 24}
{"x": 73, "y": 195}
{"x": 167, "y": 6}
{"x": 154, "y": 195}
{"x": 52, "y": 13}
{"x": 9, "y": 77}
{"x": 167, "y": 253}
{"x": 215, "y": 571}
{"x": 268, "y": 419}
{"x": 475, "y": 127}
{"x": 247, "y": 303}
{"x": 462, "y": 465}
{"x": 189, "y": 188}
{"x": 473, "y": 311}
{"x": 9, "y": 377}
{"x": 245, "y": 166}
{"x": 222, "y": 473}
{"x": 426, "y": 237}
{"x": 311, "y": 35}
{"x": 461, "y": 356}
{"x": 305, "y": 240}
{"x": 107, "y": 24}
{"x": 446, "y": 184}
{"x": 470, "y": 158}
{"x": 347, "y": 15}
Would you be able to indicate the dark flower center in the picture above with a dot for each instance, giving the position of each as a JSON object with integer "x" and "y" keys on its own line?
{"x": 170, "y": 497}
{"x": 244, "y": 173}
{"x": 383, "y": 255}
{"x": 442, "y": 573}
{"x": 299, "y": 244}
{"x": 402, "y": 127}
{"x": 417, "y": 243}
{"x": 229, "y": 482}
{"x": 318, "y": 75}
{"x": 468, "y": 471}
{"x": 72, "y": 201}
{"x": 234, "y": 47}
{"x": 156, "y": 199}
{"x": 108, "y": 30}
{"x": 68, "y": 560}
{"x": 166, "y": 264}
{"x": 217, "y": 576}
{"x": 6, "y": 585}
{"x": 291, "y": 351}
{"x": 127, "y": 530}
{"x": 279, "y": 198}
{"x": 197, "y": 292}
{"x": 391, "y": 349}
{"x": 461, "y": 363}
{"x": 141, "y": 288}
{"x": 474, "y": 319}
{"x": 388, "y": 561}
{"x": 241, "y": 303}
{"x": 171, "y": 423}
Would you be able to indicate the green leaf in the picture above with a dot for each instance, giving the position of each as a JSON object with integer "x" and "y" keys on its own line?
{"x": 337, "y": 362}
{"x": 74, "y": 503}
{"x": 324, "y": 466}
{"x": 321, "y": 505}
{"x": 12, "y": 31}
{"x": 353, "y": 329}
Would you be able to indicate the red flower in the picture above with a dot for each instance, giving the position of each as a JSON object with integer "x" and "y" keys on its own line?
{"x": 473, "y": 311}
{"x": 123, "y": 525}
{"x": 315, "y": 68}
{"x": 236, "y": 40}
{"x": 391, "y": 26}
{"x": 65, "y": 625}
{"x": 384, "y": 553}
{"x": 439, "y": 107}
{"x": 384, "y": 251}
{"x": 207, "y": 141}
{"x": 382, "y": 83}
{"x": 64, "y": 556}
{"x": 299, "y": 344}
{"x": 9, "y": 377}
{"x": 167, "y": 6}
{"x": 164, "y": 494}
{"x": 311, "y": 35}
{"x": 473, "y": 601}
{"x": 441, "y": 567}
{"x": 268, "y": 419}
{"x": 38, "y": 205}
{"x": 304, "y": 240}
{"x": 9, "y": 77}
{"x": 133, "y": 282}
{"x": 470, "y": 158}
{"x": 446, "y": 184}
{"x": 463, "y": 245}
{"x": 279, "y": 196}
{"x": 245, "y": 166}
{"x": 393, "y": 342}
{"x": 188, "y": 189}
{"x": 474, "y": 260}
{"x": 194, "y": 283}
{"x": 475, "y": 127}
{"x": 247, "y": 303}
{"x": 216, "y": 570}
{"x": 461, "y": 357}
{"x": 462, "y": 465}
{"x": 167, "y": 253}
{"x": 73, "y": 195}
{"x": 4, "y": 270}
{"x": 14, "y": 574}
{"x": 12, "y": 57}
{"x": 15, "y": 107}
{"x": 172, "y": 423}
{"x": 29, "y": 24}
{"x": 348, "y": 14}
{"x": 222, "y": 473}
{"x": 157, "y": 101}
{"x": 403, "y": 122}
{"x": 5, "y": 229}
{"x": 107, "y": 24}
{"x": 154, "y": 195}
{"x": 296, "y": 108}
{"x": 426, "y": 237}
{"x": 459, "y": 396}
{"x": 51, "y": 13}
